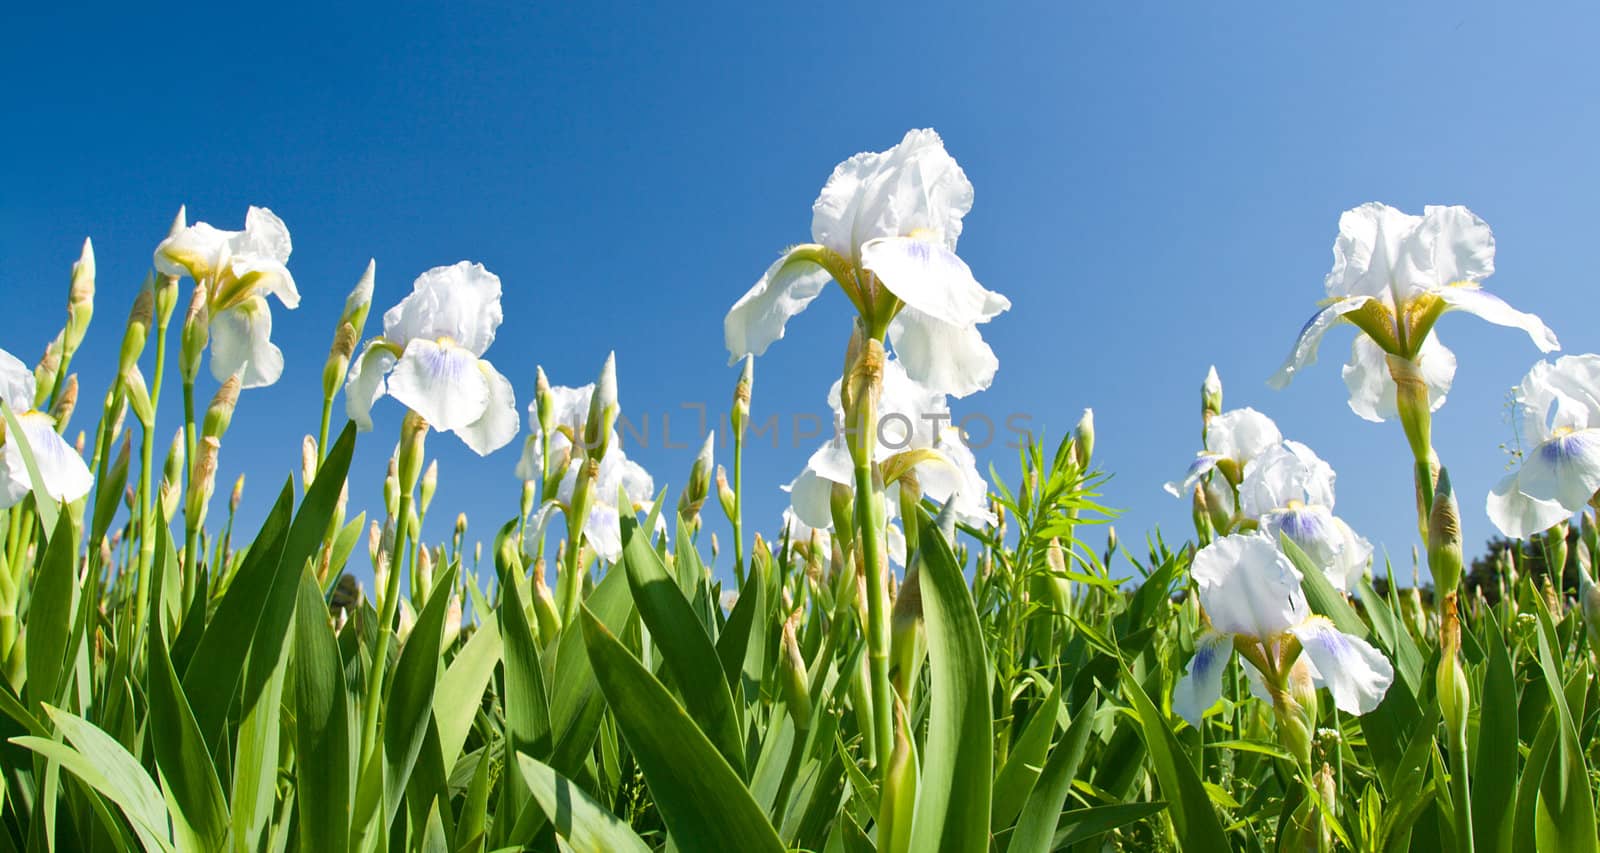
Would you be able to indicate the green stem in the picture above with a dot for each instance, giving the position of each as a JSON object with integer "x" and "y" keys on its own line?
{"x": 147, "y": 521}
{"x": 322, "y": 431}
{"x": 1461, "y": 790}
{"x": 188, "y": 485}
{"x": 869, "y": 522}
{"x": 738, "y": 509}
{"x": 380, "y": 655}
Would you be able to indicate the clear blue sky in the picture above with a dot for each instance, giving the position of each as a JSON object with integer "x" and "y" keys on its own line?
{"x": 1157, "y": 190}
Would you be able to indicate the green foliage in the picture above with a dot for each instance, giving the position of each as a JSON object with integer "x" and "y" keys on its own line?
{"x": 174, "y": 687}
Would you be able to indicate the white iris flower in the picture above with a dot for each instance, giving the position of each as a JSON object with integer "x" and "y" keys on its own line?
{"x": 239, "y": 270}
{"x": 1393, "y": 275}
{"x": 889, "y": 219}
{"x": 430, "y": 358}
{"x": 1560, "y": 472}
{"x": 65, "y": 476}
{"x": 1251, "y": 594}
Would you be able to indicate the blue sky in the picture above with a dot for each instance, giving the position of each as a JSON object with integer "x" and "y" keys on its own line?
{"x": 1157, "y": 190}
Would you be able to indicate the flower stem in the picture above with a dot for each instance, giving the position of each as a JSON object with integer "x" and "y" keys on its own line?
{"x": 189, "y": 541}
{"x": 147, "y": 521}
{"x": 869, "y": 521}
{"x": 380, "y": 654}
{"x": 738, "y": 507}
{"x": 322, "y": 430}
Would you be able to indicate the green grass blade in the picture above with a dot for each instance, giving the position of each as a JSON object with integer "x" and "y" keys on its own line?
{"x": 953, "y": 796}
{"x": 684, "y": 645}
{"x": 322, "y": 726}
{"x": 464, "y": 682}
{"x": 1494, "y": 769}
{"x": 582, "y": 823}
{"x": 50, "y": 615}
{"x": 1564, "y": 819}
{"x": 105, "y": 765}
{"x": 1193, "y": 817}
{"x": 701, "y": 799}
{"x": 1025, "y": 762}
{"x": 408, "y": 703}
{"x": 189, "y": 777}
{"x": 1036, "y": 827}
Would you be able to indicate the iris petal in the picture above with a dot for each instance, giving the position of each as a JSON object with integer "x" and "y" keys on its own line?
{"x": 1201, "y": 686}
{"x": 441, "y": 382}
{"x": 1357, "y": 674}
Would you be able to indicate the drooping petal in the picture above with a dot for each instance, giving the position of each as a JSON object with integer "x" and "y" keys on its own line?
{"x": 1304, "y": 353}
{"x": 603, "y": 528}
{"x": 801, "y": 533}
{"x": 954, "y": 478}
{"x": 810, "y": 499}
{"x": 1247, "y": 586}
{"x": 636, "y": 482}
{"x": 1201, "y": 686}
{"x": 440, "y": 382}
{"x": 241, "y": 343}
{"x": 1357, "y": 674}
{"x": 366, "y": 385}
{"x": 1326, "y": 539}
{"x": 759, "y": 317}
{"x": 952, "y": 360}
{"x": 499, "y": 422}
{"x": 1474, "y": 300}
{"x": 930, "y": 278}
{"x": 530, "y": 463}
{"x": 460, "y": 302}
{"x": 894, "y": 541}
{"x": 14, "y": 480}
{"x": 1353, "y": 559}
{"x": 914, "y": 186}
{"x": 1183, "y": 487}
{"x": 265, "y": 276}
{"x": 65, "y": 476}
{"x": 17, "y": 385}
{"x": 1557, "y": 478}
{"x": 1372, "y": 388}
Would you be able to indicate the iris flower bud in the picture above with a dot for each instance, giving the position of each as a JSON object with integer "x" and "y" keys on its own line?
{"x": 413, "y": 435}
{"x": 741, "y": 397}
{"x": 1211, "y": 395}
{"x": 80, "y": 299}
{"x": 138, "y": 330}
{"x": 543, "y": 404}
{"x": 44, "y": 375}
{"x": 196, "y": 334}
{"x": 1444, "y": 538}
{"x": 202, "y": 483}
{"x": 602, "y": 410}
{"x": 430, "y": 484}
{"x": 699, "y": 486}
{"x": 66, "y": 403}
{"x": 725, "y": 494}
{"x": 139, "y": 396}
{"x": 1083, "y": 440}
{"x": 220, "y": 413}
